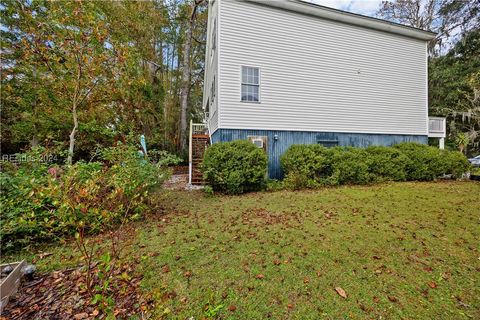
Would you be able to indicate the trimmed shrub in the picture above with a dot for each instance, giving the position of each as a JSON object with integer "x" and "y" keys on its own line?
{"x": 310, "y": 166}
{"x": 425, "y": 162}
{"x": 386, "y": 164}
{"x": 349, "y": 166}
{"x": 455, "y": 163}
{"x": 305, "y": 166}
{"x": 235, "y": 167}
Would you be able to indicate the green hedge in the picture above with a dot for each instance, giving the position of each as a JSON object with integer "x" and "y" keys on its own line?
{"x": 235, "y": 167}
{"x": 309, "y": 166}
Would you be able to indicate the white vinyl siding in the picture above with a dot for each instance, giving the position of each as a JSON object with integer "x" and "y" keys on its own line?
{"x": 319, "y": 75}
{"x": 210, "y": 94}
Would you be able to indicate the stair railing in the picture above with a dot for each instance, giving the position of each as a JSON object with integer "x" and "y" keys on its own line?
{"x": 195, "y": 128}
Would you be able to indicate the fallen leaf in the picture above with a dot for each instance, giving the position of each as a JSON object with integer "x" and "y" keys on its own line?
{"x": 306, "y": 280}
{"x": 260, "y": 276}
{"x": 95, "y": 313}
{"x": 392, "y": 299}
{"x": 290, "y": 306}
{"x": 376, "y": 258}
{"x": 341, "y": 292}
{"x": 165, "y": 269}
{"x": 432, "y": 285}
{"x": 44, "y": 254}
{"x": 277, "y": 262}
{"x": 232, "y": 308}
{"x": 80, "y": 316}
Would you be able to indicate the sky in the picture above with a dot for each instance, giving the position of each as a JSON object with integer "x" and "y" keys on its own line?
{"x": 365, "y": 7}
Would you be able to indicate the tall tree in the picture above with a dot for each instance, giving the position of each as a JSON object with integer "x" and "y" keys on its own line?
{"x": 454, "y": 89}
{"x": 187, "y": 71}
{"x": 447, "y": 18}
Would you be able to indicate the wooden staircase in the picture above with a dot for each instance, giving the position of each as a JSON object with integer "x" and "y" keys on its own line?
{"x": 199, "y": 142}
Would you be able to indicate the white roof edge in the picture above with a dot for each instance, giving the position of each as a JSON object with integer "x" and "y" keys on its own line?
{"x": 347, "y": 17}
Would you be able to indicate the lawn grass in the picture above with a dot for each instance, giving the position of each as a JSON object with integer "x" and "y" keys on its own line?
{"x": 400, "y": 251}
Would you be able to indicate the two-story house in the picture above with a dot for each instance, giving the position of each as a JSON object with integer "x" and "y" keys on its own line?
{"x": 289, "y": 72}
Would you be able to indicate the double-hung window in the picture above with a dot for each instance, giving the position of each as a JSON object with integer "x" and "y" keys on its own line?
{"x": 250, "y": 84}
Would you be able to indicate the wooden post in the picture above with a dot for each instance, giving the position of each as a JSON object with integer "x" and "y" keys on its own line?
{"x": 190, "y": 153}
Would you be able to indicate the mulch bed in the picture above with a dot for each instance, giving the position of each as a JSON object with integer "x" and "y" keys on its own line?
{"x": 63, "y": 295}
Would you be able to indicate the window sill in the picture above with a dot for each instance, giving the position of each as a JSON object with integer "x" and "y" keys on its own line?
{"x": 254, "y": 102}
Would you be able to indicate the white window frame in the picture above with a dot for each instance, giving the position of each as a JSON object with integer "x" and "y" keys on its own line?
{"x": 259, "y": 84}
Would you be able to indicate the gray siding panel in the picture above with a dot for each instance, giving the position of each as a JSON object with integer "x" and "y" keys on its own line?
{"x": 319, "y": 75}
{"x": 286, "y": 138}
{"x": 211, "y": 70}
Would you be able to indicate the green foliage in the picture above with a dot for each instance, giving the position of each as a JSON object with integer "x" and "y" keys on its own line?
{"x": 455, "y": 163}
{"x": 275, "y": 185}
{"x": 164, "y": 158}
{"x": 208, "y": 190}
{"x": 386, "y": 164}
{"x": 349, "y": 166}
{"x": 42, "y": 202}
{"x": 27, "y": 205}
{"x": 235, "y": 167}
{"x": 305, "y": 165}
{"x": 310, "y": 166}
{"x": 454, "y": 83}
{"x": 425, "y": 162}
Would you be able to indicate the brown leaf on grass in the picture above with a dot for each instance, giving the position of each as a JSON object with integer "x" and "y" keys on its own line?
{"x": 80, "y": 316}
{"x": 392, "y": 299}
{"x": 341, "y": 292}
{"x": 232, "y": 308}
{"x": 364, "y": 307}
{"x": 428, "y": 269}
{"x": 376, "y": 258}
{"x": 376, "y": 299}
{"x": 44, "y": 254}
{"x": 188, "y": 274}
{"x": 306, "y": 280}
{"x": 165, "y": 268}
{"x": 290, "y": 306}
{"x": 277, "y": 262}
{"x": 260, "y": 276}
{"x": 432, "y": 285}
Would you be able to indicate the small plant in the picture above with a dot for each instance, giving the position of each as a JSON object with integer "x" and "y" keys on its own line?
{"x": 462, "y": 140}
{"x": 208, "y": 190}
{"x": 235, "y": 167}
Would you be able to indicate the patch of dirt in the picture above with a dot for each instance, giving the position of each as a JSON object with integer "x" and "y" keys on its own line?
{"x": 63, "y": 295}
{"x": 176, "y": 182}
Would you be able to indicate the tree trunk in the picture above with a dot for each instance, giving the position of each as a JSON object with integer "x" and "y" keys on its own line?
{"x": 186, "y": 75}
{"x": 72, "y": 135}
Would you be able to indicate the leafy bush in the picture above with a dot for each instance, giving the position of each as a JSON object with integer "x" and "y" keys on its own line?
{"x": 309, "y": 166}
{"x": 305, "y": 165}
{"x": 235, "y": 167}
{"x": 455, "y": 163}
{"x": 425, "y": 162}
{"x": 41, "y": 202}
{"x": 350, "y": 165}
{"x": 386, "y": 164}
